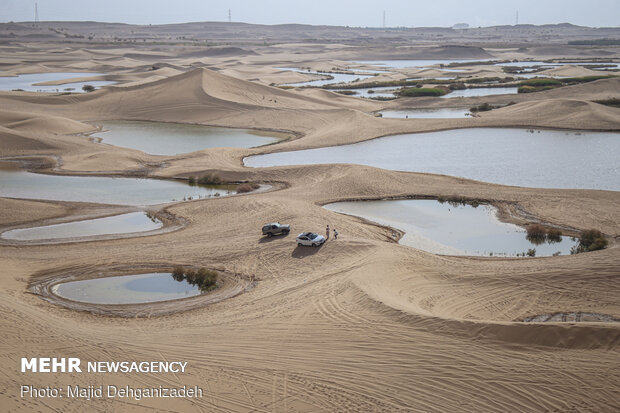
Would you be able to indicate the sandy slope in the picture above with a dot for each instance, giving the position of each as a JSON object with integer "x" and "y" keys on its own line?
{"x": 362, "y": 324}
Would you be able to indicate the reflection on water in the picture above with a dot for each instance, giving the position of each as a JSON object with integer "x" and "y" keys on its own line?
{"x": 118, "y": 224}
{"x": 449, "y": 228}
{"x": 31, "y": 82}
{"x": 159, "y": 138}
{"x": 104, "y": 190}
{"x": 445, "y": 113}
{"x": 544, "y": 158}
{"x": 127, "y": 289}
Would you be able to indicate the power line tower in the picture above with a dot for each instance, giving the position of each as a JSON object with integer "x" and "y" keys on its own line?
{"x": 229, "y": 16}
{"x": 36, "y": 13}
{"x": 384, "y": 19}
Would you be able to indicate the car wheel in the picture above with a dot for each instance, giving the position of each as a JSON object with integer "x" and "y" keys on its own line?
{"x": 285, "y": 232}
{"x": 299, "y": 244}
{"x": 313, "y": 244}
{"x": 269, "y": 234}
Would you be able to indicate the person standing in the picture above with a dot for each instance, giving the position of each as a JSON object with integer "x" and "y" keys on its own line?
{"x": 327, "y": 232}
{"x": 335, "y": 234}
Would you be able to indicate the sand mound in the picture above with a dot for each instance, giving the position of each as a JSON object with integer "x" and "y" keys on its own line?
{"x": 569, "y": 113}
{"x": 25, "y": 122}
{"x": 13, "y": 143}
{"x": 571, "y": 71}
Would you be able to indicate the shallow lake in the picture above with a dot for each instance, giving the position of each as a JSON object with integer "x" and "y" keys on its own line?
{"x": 118, "y": 224}
{"x": 401, "y": 64}
{"x": 104, "y": 190}
{"x": 556, "y": 64}
{"x": 482, "y": 91}
{"x": 30, "y": 82}
{"x": 444, "y": 228}
{"x": 127, "y": 289}
{"x": 337, "y": 78}
{"x": 545, "y": 158}
{"x": 159, "y": 138}
{"x": 370, "y": 92}
{"x": 445, "y": 113}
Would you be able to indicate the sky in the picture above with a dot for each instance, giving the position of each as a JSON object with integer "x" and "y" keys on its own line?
{"x": 359, "y": 13}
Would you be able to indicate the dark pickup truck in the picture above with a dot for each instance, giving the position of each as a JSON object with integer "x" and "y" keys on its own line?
{"x": 275, "y": 228}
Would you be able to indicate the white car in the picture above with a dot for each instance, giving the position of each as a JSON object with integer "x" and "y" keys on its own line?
{"x": 310, "y": 238}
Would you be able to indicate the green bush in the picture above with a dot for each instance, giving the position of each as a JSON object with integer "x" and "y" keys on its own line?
{"x": 554, "y": 235}
{"x": 536, "y": 233}
{"x": 614, "y": 102}
{"x": 531, "y": 252}
{"x": 424, "y": 91}
{"x": 591, "y": 240}
{"x": 585, "y": 79}
{"x": 178, "y": 273}
{"x": 88, "y": 88}
{"x": 482, "y": 108}
{"x": 203, "y": 278}
{"x": 541, "y": 82}
{"x": 210, "y": 179}
{"x": 530, "y": 89}
{"x": 247, "y": 187}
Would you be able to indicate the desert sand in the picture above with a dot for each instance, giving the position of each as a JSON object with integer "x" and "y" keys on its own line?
{"x": 361, "y": 324}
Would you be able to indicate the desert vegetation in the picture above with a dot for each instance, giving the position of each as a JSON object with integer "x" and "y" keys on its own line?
{"x": 590, "y": 240}
{"x": 540, "y": 84}
{"x": 613, "y": 102}
{"x": 247, "y": 187}
{"x": 423, "y": 91}
{"x": 203, "y": 278}
{"x": 212, "y": 179}
{"x": 538, "y": 234}
{"x": 456, "y": 200}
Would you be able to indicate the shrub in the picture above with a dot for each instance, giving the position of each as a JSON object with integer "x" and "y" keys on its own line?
{"x": 536, "y": 233}
{"x": 541, "y": 82}
{"x": 178, "y": 273}
{"x": 192, "y": 180}
{"x": 423, "y": 91}
{"x": 531, "y": 252}
{"x": 554, "y": 235}
{"x": 614, "y": 102}
{"x": 482, "y": 108}
{"x": 205, "y": 279}
{"x": 190, "y": 276}
{"x": 591, "y": 240}
{"x": 247, "y": 187}
{"x": 210, "y": 179}
{"x": 585, "y": 79}
{"x": 88, "y": 88}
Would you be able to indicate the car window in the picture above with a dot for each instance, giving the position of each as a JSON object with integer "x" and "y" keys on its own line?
{"x": 312, "y": 236}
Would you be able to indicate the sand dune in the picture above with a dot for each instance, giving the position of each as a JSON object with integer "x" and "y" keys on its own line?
{"x": 550, "y": 112}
